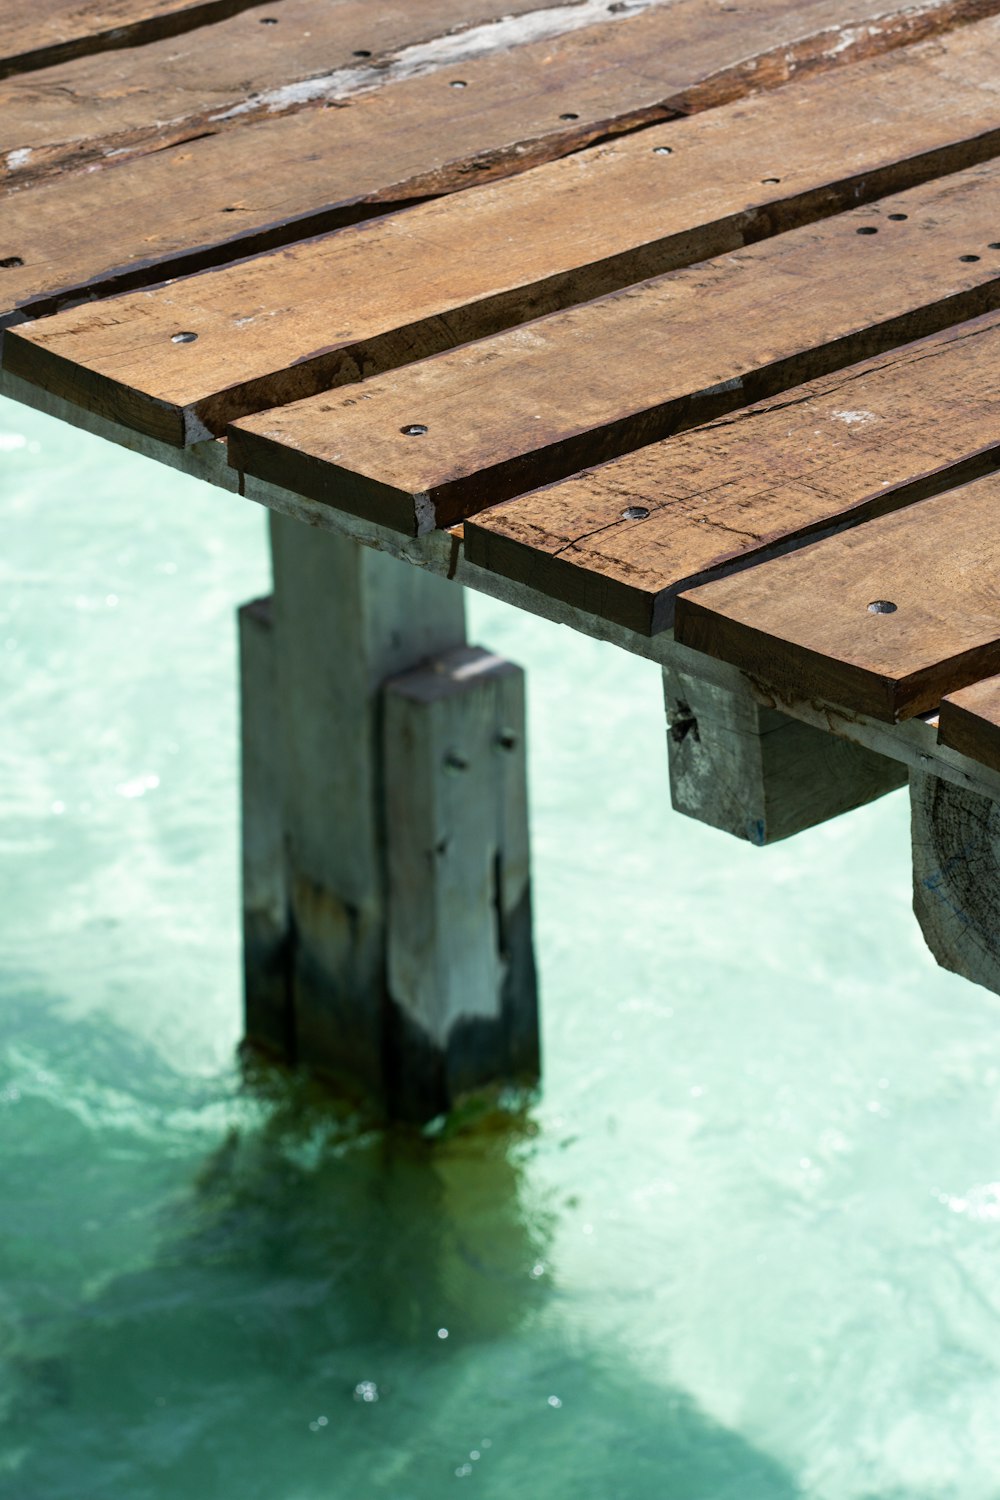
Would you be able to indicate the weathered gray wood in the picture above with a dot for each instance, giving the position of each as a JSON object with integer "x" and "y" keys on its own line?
{"x": 266, "y": 930}
{"x": 461, "y": 973}
{"x": 756, "y": 773}
{"x": 956, "y": 876}
{"x": 346, "y": 618}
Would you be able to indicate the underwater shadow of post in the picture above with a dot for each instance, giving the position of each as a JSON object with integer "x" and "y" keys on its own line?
{"x": 305, "y": 1258}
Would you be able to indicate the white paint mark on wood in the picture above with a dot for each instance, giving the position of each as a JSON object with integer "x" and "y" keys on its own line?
{"x": 443, "y": 52}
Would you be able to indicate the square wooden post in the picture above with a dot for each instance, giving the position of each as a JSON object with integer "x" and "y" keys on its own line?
{"x": 332, "y": 783}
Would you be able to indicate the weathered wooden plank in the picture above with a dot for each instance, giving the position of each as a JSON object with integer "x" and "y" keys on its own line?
{"x": 623, "y": 540}
{"x": 755, "y": 773}
{"x": 465, "y": 267}
{"x": 556, "y": 93}
{"x": 42, "y": 33}
{"x": 427, "y": 444}
{"x": 513, "y": 252}
{"x": 252, "y": 66}
{"x": 884, "y": 619}
{"x": 970, "y": 721}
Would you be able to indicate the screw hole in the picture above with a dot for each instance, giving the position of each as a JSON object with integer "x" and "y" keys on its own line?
{"x": 458, "y": 83}
{"x": 361, "y": 52}
{"x": 183, "y": 338}
{"x": 507, "y": 739}
{"x": 634, "y": 513}
{"x": 413, "y": 429}
{"x": 968, "y": 257}
{"x": 455, "y": 762}
{"x": 770, "y": 179}
{"x": 268, "y": 20}
{"x": 569, "y": 116}
{"x": 899, "y": 217}
{"x": 11, "y": 262}
{"x": 882, "y": 607}
{"x": 230, "y": 210}
{"x": 995, "y": 245}
{"x": 663, "y": 150}
{"x": 867, "y": 229}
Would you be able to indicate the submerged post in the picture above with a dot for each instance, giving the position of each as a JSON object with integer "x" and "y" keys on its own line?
{"x": 402, "y": 974}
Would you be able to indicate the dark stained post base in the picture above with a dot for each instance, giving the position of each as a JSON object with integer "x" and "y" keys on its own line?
{"x": 387, "y": 909}
{"x": 956, "y": 861}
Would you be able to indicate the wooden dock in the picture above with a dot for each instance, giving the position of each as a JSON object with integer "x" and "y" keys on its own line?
{"x": 673, "y": 321}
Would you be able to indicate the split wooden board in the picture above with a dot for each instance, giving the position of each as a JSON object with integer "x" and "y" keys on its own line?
{"x": 432, "y": 443}
{"x": 623, "y": 540}
{"x": 42, "y": 33}
{"x": 970, "y": 722}
{"x": 234, "y": 192}
{"x": 884, "y": 619}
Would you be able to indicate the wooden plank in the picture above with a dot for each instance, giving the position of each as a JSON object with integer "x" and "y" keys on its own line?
{"x": 42, "y": 33}
{"x": 955, "y": 835}
{"x": 884, "y": 619}
{"x": 551, "y": 95}
{"x": 298, "y": 54}
{"x": 435, "y": 441}
{"x": 521, "y": 249}
{"x": 514, "y": 252}
{"x": 623, "y": 540}
{"x": 970, "y": 721}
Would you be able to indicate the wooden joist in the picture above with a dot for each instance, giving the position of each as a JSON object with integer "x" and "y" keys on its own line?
{"x": 884, "y": 619}
{"x": 41, "y": 33}
{"x": 238, "y": 192}
{"x": 623, "y": 540}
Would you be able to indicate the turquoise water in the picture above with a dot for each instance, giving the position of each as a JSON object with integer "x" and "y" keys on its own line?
{"x": 746, "y": 1244}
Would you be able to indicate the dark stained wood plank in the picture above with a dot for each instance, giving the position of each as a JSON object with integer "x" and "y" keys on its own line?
{"x": 253, "y": 66}
{"x": 543, "y": 241}
{"x": 519, "y": 107}
{"x": 42, "y": 33}
{"x": 882, "y": 620}
{"x": 428, "y": 444}
{"x": 970, "y": 721}
{"x": 623, "y": 540}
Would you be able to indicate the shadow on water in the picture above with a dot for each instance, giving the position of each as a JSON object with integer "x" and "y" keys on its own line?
{"x": 305, "y": 1310}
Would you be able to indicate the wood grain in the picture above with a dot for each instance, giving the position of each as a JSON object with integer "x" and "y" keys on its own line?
{"x": 518, "y": 108}
{"x": 528, "y": 407}
{"x": 805, "y": 622}
{"x": 42, "y": 33}
{"x": 502, "y": 254}
{"x": 462, "y": 268}
{"x": 253, "y": 65}
{"x": 970, "y": 721}
{"x": 621, "y": 541}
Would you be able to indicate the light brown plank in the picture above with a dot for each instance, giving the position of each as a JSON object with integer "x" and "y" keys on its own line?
{"x": 542, "y": 100}
{"x": 42, "y": 33}
{"x": 564, "y": 233}
{"x": 525, "y": 408}
{"x": 970, "y": 722}
{"x": 621, "y": 541}
{"x": 465, "y": 267}
{"x": 882, "y": 620}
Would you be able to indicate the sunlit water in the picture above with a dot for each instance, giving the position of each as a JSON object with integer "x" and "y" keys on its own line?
{"x": 746, "y": 1246}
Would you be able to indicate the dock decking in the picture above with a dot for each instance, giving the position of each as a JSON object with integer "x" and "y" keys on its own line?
{"x": 675, "y": 321}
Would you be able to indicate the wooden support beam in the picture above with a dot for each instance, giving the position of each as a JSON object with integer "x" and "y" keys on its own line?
{"x": 403, "y": 981}
{"x": 956, "y": 876}
{"x": 756, "y": 773}
{"x": 461, "y": 974}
